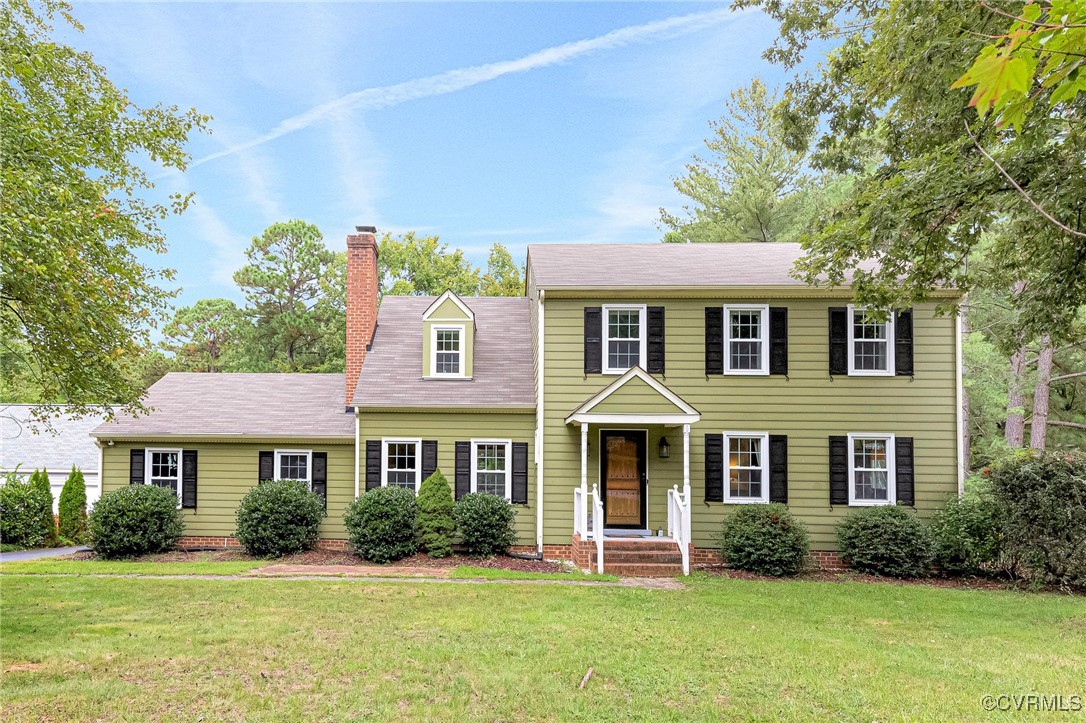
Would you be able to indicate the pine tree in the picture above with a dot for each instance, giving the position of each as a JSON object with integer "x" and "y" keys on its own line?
{"x": 40, "y": 480}
{"x": 435, "y": 515}
{"x": 73, "y": 507}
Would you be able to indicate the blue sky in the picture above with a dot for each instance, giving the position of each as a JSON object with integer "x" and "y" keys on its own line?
{"x": 519, "y": 122}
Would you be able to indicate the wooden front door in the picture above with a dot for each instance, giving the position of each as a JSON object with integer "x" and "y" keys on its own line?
{"x": 623, "y": 477}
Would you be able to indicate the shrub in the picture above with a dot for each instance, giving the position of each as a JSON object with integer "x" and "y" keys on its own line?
{"x": 22, "y": 508}
{"x": 381, "y": 524}
{"x": 135, "y": 520}
{"x": 485, "y": 523}
{"x": 72, "y": 507}
{"x": 436, "y": 523}
{"x": 765, "y": 539}
{"x": 885, "y": 540}
{"x": 279, "y": 517}
{"x": 965, "y": 534}
{"x": 40, "y": 479}
{"x": 1040, "y": 501}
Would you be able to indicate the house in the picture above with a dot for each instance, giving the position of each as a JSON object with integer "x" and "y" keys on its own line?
{"x": 625, "y": 405}
{"x": 26, "y": 446}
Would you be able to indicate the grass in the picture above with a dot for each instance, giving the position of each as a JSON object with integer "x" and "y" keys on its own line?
{"x": 489, "y": 573}
{"x": 234, "y": 649}
{"x": 49, "y": 566}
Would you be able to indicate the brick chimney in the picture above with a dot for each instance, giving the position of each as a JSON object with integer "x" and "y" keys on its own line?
{"x": 362, "y": 283}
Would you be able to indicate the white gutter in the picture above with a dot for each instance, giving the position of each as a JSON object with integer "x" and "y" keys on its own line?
{"x": 959, "y": 392}
{"x": 539, "y": 429}
{"x": 357, "y": 425}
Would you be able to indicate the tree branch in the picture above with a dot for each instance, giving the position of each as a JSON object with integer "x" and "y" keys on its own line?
{"x": 1057, "y": 423}
{"x": 1061, "y": 377}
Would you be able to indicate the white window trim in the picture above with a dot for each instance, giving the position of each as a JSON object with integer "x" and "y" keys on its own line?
{"x": 434, "y": 329}
{"x": 764, "y": 338}
{"x": 891, "y": 470}
{"x": 308, "y": 453}
{"x": 764, "y": 498}
{"x": 385, "y": 441}
{"x": 508, "y": 443}
{"x": 643, "y": 338}
{"x": 180, "y": 467}
{"x": 890, "y": 336}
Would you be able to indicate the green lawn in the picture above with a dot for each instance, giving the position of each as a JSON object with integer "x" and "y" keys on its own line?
{"x": 469, "y": 572}
{"x": 83, "y": 647}
{"x": 127, "y": 567}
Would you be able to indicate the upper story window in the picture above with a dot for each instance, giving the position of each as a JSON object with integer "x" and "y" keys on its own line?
{"x": 871, "y": 469}
{"x": 746, "y": 340}
{"x": 293, "y": 464}
{"x": 490, "y": 468}
{"x": 164, "y": 469}
{"x": 400, "y": 463}
{"x": 624, "y": 338}
{"x": 746, "y": 467}
{"x": 870, "y": 344}
{"x": 447, "y": 344}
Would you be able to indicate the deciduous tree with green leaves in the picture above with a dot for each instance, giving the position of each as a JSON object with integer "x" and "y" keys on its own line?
{"x": 411, "y": 265}
{"x": 503, "y": 277}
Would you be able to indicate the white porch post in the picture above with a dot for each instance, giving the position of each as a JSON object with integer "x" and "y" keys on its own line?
{"x": 584, "y": 477}
{"x": 686, "y": 482}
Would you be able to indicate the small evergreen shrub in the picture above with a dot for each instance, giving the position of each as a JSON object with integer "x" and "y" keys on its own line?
{"x": 135, "y": 520}
{"x": 72, "y": 508}
{"x": 1040, "y": 501}
{"x": 279, "y": 517}
{"x": 486, "y": 523}
{"x": 885, "y": 540}
{"x": 40, "y": 478}
{"x": 382, "y": 524}
{"x": 765, "y": 539}
{"x": 965, "y": 534}
{"x": 435, "y": 516}
{"x": 22, "y": 507}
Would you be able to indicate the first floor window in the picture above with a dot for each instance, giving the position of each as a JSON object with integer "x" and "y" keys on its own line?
{"x": 871, "y": 469}
{"x": 746, "y": 350}
{"x": 490, "y": 468}
{"x": 401, "y": 464}
{"x": 164, "y": 469}
{"x": 870, "y": 347}
{"x": 747, "y": 467}
{"x": 447, "y": 351}
{"x": 624, "y": 335}
{"x": 293, "y": 464}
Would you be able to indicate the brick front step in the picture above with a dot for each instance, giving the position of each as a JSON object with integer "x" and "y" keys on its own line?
{"x": 639, "y": 546}
{"x": 625, "y": 557}
{"x": 642, "y": 569}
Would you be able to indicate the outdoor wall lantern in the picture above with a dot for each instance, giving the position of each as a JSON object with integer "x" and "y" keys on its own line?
{"x": 665, "y": 448}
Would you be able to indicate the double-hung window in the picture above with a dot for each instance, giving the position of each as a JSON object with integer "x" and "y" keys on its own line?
{"x": 401, "y": 463}
{"x": 624, "y": 338}
{"x": 870, "y": 344}
{"x": 163, "y": 469}
{"x": 746, "y": 339}
{"x": 871, "y": 469}
{"x": 447, "y": 358}
{"x": 490, "y": 468}
{"x": 746, "y": 467}
{"x": 295, "y": 464}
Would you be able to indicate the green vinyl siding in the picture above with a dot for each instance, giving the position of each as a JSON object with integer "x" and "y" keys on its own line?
{"x": 807, "y": 405}
{"x": 450, "y": 427}
{"x": 636, "y": 397}
{"x": 227, "y": 471}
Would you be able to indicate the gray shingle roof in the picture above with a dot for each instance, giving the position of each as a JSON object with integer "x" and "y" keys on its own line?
{"x": 660, "y": 264}
{"x": 32, "y": 446}
{"x": 502, "y": 368}
{"x": 243, "y": 405}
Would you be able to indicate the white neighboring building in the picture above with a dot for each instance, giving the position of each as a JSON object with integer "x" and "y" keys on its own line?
{"x": 70, "y": 444}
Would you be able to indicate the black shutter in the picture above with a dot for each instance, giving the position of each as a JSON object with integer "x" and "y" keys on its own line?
{"x": 429, "y": 458}
{"x": 903, "y": 457}
{"x": 593, "y": 341}
{"x": 714, "y": 340}
{"x": 655, "y": 363}
{"x": 373, "y": 463}
{"x": 520, "y": 473}
{"x": 188, "y": 479}
{"x": 903, "y": 343}
{"x": 463, "y": 469}
{"x": 838, "y": 470}
{"x": 319, "y": 477}
{"x": 839, "y": 322}
{"x": 714, "y": 468}
{"x": 778, "y": 468}
{"x": 267, "y": 467}
{"x": 136, "y": 461}
{"x": 778, "y": 340}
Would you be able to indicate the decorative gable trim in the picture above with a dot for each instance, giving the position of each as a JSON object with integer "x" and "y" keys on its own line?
{"x": 685, "y": 413}
{"x": 449, "y": 295}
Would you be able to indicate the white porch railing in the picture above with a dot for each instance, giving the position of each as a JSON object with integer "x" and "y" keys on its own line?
{"x": 678, "y": 522}
{"x": 588, "y": 519}
{"x": 597, "y": 526}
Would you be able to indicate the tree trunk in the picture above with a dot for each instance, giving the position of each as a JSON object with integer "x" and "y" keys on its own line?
{"x": 1015, "y": 430}
{"x": 1039, "y": 424}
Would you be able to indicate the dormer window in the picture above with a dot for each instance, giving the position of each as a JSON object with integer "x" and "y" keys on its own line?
{"x": 448, "y": 328}
{"x": 448, "y": 346}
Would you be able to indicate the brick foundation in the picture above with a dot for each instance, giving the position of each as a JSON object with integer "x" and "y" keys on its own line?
{"x": 227, "y": 543}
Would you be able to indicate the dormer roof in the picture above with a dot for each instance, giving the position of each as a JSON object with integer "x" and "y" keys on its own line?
{"x": 449, "y": 307}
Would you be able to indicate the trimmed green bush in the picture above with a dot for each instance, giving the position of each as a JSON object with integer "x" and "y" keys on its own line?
{"x": 885, "y": 540}
{"x": 486, "y": 523}
{"x": 279, "y": 517}
{"x": 382, "y": 524}
{"x": 135, "y": 520}
{"x": 22, "y": 507}
{"x": 1040, "y": 501}
{"x": 40, "y": 479}
{"x": 72, "y": 507}
{"x": 436, "y": 523}
{"x": 765, "y": 539}
{"x": 966, "y": 538}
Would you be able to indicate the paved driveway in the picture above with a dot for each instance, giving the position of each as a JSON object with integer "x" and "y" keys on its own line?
{"x": 38, "y": 554}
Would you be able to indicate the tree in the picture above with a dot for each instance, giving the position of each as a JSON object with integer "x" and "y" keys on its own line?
{"x": 435, "y": 515}
{"x": 77, "y": 214}
{"x": 282, "y": 286}
{"x": 72, "y": 507}
{"x": 502, "y": 277}
{"x": 200, "y": 335}
{"x": 39, "y": 480}
{"x": 411, "y": 265}
{"x": 932, "y": 178}
{"x": 752, "y": 187}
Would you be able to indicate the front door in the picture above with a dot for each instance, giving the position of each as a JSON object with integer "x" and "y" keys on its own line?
{"x": 622, "y": 471}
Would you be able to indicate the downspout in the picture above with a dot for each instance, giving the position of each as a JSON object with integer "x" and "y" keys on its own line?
{"x": 101, "y": 466}
{"x": 357, "y": 424}
{"x": 539, "y": 436}
{"x": 959, "y": 400}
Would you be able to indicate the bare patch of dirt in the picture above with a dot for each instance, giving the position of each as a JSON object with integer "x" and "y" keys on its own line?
{"x": 23, "y": 668}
